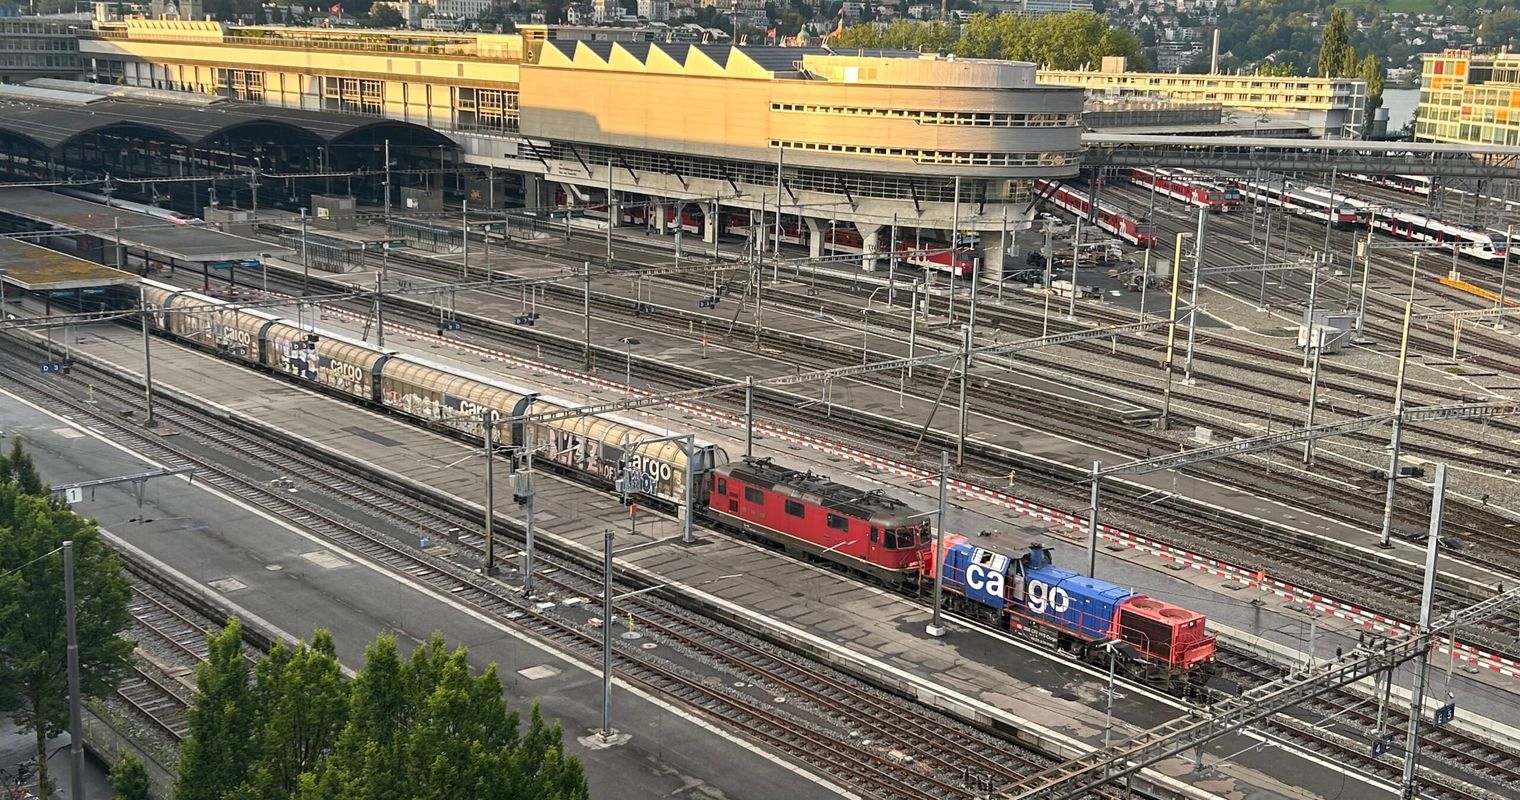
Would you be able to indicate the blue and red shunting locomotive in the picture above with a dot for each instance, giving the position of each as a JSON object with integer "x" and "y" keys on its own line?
{"x": 881, "y": 539}
{"x": 1163, "y": 644}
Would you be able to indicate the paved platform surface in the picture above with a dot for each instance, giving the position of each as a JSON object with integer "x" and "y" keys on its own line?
{"x": 981, "y": 511}
{"x": 735, "y": 359}
{"x": 1035, "y": 685}
{"x": 294, "y": 582}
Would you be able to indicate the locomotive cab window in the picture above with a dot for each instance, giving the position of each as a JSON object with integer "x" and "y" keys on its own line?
{"x": 753, "y": 495}
{"x": 838, "y": 523}
{"x": 875, "y": 534}
{"x": 795, "y": 508}
{"x": 722, "y": 486}
{"x": 891, "y": 543}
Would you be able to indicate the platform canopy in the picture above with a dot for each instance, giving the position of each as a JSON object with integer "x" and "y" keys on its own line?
{"x": 35, "y": 268}
{"x": 57, "y": 115}
{"x": 156, "y": 236}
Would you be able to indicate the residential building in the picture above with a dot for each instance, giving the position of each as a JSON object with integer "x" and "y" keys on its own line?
{"x": 1469, "y": 98}
{"x": 1331, "y": 107}
{"x": 654, "y": 10}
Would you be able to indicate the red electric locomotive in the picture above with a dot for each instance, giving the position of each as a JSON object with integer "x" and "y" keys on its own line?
{"x": 865, "y": 532}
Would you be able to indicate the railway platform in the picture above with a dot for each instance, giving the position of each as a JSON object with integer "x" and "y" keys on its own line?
{"x": 95, "y": 230}
{"x": 972, "y": 671}
{"x": 681, "y": 345}
{"x": 271, "y": 572}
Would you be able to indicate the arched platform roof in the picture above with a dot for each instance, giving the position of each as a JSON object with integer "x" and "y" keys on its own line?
{"x": 54, "y": 126}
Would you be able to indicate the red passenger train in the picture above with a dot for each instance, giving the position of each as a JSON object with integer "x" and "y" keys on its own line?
{"x": 866, "y": 532}
{"x": 1109, "y": 219}
{"x": 1194, "y": 189}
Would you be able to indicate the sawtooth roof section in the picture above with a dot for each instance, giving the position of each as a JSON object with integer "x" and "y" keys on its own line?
{"x": 676, "y": 58}
{"x": 52, "y": 126}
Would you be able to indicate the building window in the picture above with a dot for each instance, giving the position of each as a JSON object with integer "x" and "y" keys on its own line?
{"x": 486, "y": 109}
{"x": 242, "y": 84}
{"x": 353, "y": 95}
{"x": 926, "y": 117}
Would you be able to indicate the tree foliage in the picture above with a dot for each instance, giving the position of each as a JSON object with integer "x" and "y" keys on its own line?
{"x": 214, "y": 758}
{"x": 423, "y": 728}
{"x": 1501, "y": 28}
{"x": 1059, "y": 41}
{"x": 129, "y": 778}
{"x": 33, "y": 619}
{"x": 384, "y": 15}
{"x": 1336, "y": 57}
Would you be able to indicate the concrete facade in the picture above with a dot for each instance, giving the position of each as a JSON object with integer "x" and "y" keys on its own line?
{"x": 1469, "y": 99}
{"x": 859, "y": 140}
{"x": 1331, "y": 107}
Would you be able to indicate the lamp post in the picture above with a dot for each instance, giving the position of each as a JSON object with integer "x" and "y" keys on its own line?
{"x": 607, "y": 733}
{"x": 935, "y": 628}
{"x": 628, "y": 343}
{"x": 1398, "y": 430}
{"x": 1187, "y": 366}
{"x": 1171, "y": 334}
{"x": 76, "y": 727}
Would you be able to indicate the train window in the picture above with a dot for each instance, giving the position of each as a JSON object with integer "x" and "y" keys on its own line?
{"x": 753, "y": 495}
{"x": 891, "y": 542}
{"x": 795, "y": 508}
{"x": 722, "y": 486}
{"x": 839, "y": 523}
{"x": 875, "y": 534}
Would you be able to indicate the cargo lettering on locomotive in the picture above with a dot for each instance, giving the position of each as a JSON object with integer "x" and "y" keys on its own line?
{"x": 979, "y": 579}
{"x": 1040, "y": 596}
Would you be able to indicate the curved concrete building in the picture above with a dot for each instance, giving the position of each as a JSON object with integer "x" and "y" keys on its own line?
{"x": 865, "y": 141}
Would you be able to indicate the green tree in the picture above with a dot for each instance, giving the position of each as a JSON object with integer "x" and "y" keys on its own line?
{"x": 1500, "y": 28}
{"x": 1335, "y": 53}
{"x": 1370, "y": 69}
{"x": 303, "y": 704}
{"x": 423, "y": 729}
{"x": 129, "y": 778}
{"x": 216, "y": 757}
{"x": 33, "y": 631}
{"x": 383, "y": 15}
{"x": 1060, "y": 41}
{"x": 17, "y": 468}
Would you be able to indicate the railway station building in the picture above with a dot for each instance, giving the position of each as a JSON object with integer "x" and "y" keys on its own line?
{"x": 916, "y": 143}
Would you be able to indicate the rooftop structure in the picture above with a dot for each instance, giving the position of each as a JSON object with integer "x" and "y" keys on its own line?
{"x": 1469, "y": 98}
{"x": 578, "y": 112}
{"x": 186, "y": 244}
{"x": 1330, "y": 107}
{"x": 35, "y": 268}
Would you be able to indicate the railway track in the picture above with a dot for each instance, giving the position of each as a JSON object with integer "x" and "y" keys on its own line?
{"x": 170, "y": 644}
{"x": 813, "y": 724}
{"x": 1468, "y": 766}
{"x": 1252, "y": 545}
{"x": 901, "y": 734}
